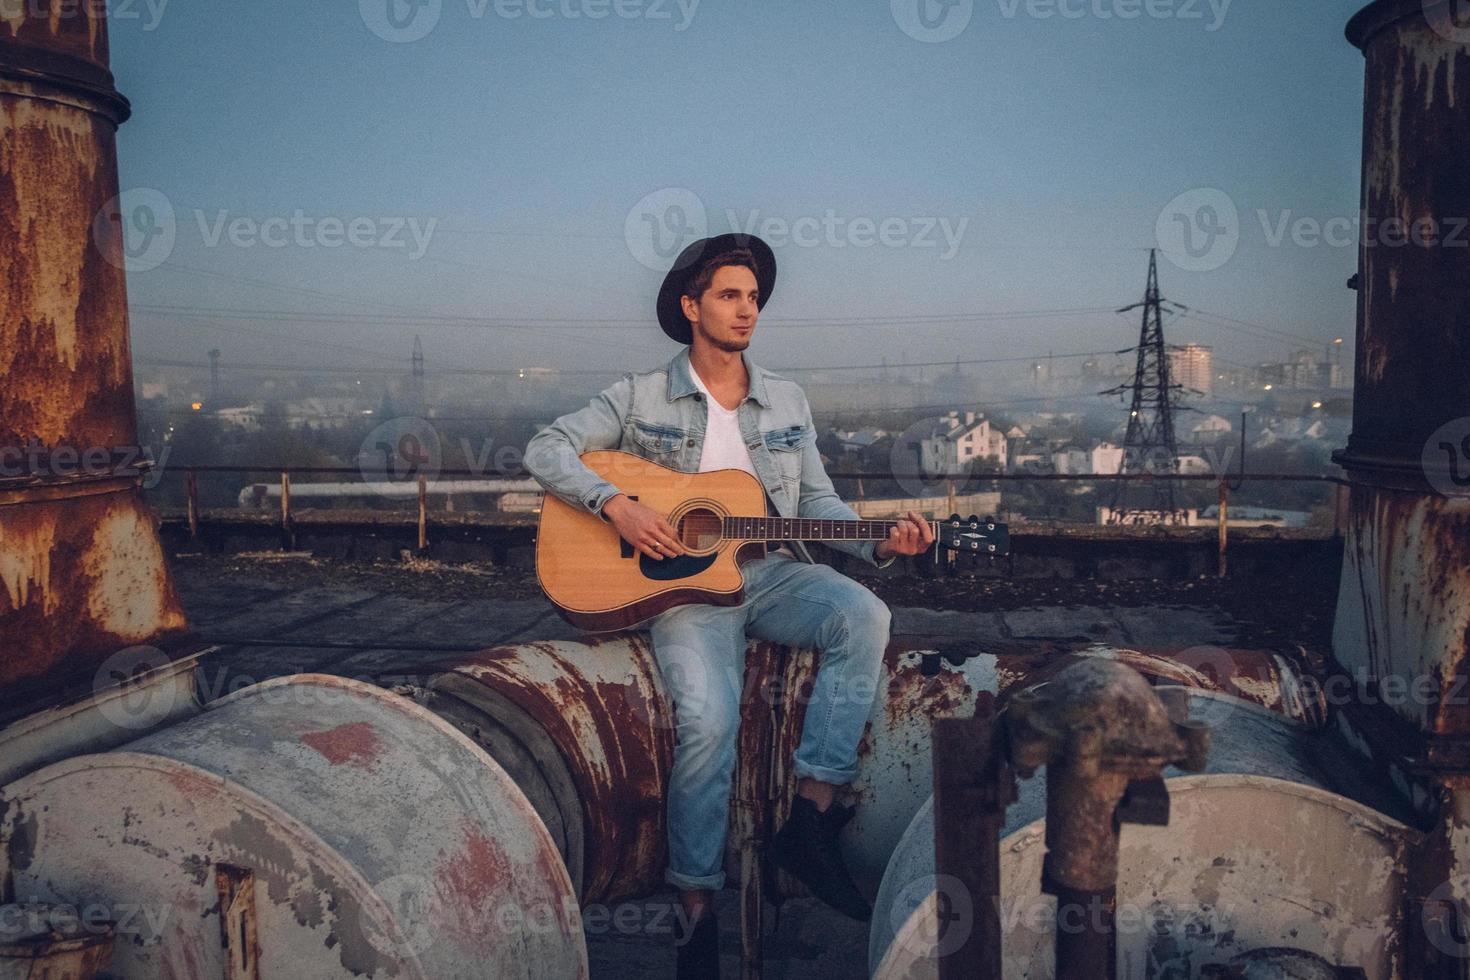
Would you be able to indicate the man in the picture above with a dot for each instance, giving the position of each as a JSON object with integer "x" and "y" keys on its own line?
{"x": 712, "y": 408}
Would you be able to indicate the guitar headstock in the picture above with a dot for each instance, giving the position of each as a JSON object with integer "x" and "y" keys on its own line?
{"x": 974, "y": 535}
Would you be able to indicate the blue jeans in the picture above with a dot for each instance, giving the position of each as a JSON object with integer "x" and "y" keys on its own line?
{"x": 700, "y": 651}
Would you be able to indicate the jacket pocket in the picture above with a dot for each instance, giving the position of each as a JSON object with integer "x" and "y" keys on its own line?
{"x": 785, "y": 445}
{"x": 656, "y": 441}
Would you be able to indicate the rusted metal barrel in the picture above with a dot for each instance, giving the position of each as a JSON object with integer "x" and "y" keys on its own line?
{"x": 586, "y": 730}
{"x": 1232, "y": 873}
{"x": 1403, "y": 615}
{"x": 83, "y": 573}
{"x": 309, "y": 826}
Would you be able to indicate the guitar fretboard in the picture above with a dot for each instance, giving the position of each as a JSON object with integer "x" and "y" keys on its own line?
{"x": 804, "y": 529}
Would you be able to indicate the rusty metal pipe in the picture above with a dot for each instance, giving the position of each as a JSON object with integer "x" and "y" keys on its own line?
{"x": 83, "y": 573}
{"x": 1404, "y": 605}
{"x": 1105, "y": 737}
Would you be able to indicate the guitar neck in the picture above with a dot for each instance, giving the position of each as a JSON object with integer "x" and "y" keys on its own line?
{"x": 804, "y": 529}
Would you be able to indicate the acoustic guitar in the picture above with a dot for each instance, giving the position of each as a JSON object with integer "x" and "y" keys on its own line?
{"x": 599, "y": 582}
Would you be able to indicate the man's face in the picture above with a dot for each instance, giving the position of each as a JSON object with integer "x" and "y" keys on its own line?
{"x": 725, "y": 315}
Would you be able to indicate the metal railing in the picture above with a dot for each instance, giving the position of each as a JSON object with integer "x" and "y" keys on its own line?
{"x": 952, "y": 481}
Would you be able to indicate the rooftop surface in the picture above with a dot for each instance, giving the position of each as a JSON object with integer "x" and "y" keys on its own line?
{"x": 279, "y": 613}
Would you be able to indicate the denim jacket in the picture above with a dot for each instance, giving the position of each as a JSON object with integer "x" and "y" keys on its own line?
{"x": 661, "y": 416}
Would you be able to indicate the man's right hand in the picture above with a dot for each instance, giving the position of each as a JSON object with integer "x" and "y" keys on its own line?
{"x": 642, "y": 528}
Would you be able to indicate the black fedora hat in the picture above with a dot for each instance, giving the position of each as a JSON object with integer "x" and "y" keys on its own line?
{"x": 671, "y": 312}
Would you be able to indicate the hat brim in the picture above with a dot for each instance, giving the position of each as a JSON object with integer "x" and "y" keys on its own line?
{"x": 671, "y": 312}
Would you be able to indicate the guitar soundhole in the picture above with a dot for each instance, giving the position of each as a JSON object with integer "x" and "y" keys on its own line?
{"x": 700, "y": 530}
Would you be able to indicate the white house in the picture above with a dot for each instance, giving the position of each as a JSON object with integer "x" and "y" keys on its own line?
{"x": 956, "y": 441}
{"x": 1213, "y": 427}
{"x": 1107, "y": 459}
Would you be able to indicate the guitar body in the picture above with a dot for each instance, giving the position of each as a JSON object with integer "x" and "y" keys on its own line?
{"x": 599, "y": 583}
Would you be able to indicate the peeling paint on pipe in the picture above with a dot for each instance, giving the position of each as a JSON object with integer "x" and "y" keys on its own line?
{"x": 382, "y": 843}
{"x": 81, "y": 570}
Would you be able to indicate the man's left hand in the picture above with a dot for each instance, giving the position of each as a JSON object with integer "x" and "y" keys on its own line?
{"x": 912, "y": 536}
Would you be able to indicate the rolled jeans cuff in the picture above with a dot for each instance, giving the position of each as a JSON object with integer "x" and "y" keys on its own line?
{"x": 838, "y": 777}
{"x": 692, "y": 883}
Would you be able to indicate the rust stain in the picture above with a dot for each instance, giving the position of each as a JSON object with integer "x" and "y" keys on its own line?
{"x": 354, "y": 743}
{"x": 471, "y": 882}
{"x": 618, "y": 745}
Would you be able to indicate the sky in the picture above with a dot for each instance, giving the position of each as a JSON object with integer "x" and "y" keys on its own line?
{"x": 320, "y": 181}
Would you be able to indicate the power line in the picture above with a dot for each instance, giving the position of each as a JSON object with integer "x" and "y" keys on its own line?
{"x": 420, "y": 319}
{"x": 254, "y": 367}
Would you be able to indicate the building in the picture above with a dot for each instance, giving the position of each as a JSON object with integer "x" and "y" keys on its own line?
{"x": 1193, "y": 366}
{"x": 957, "y": 441}
{"x": 1213, "y": 427}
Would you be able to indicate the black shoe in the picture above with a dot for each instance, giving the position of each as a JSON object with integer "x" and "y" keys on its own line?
{"x": 807, "y": 849}
{"x": 697, "y": 954}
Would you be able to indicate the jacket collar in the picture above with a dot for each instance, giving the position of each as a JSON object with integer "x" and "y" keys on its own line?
{"x": 681, "y": 378}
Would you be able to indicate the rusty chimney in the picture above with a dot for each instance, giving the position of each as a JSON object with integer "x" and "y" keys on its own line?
{"x": 82, "y": 571}
{"x": 1403, "y": 614}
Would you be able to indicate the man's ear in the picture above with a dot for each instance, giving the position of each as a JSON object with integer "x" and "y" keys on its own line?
{"x": 690, "y": 307}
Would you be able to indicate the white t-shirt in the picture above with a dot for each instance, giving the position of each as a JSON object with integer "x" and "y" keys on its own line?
{"x": 724, "y": 446}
